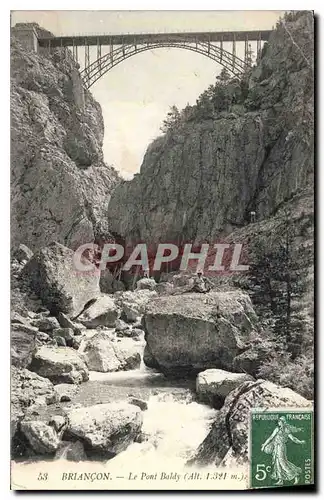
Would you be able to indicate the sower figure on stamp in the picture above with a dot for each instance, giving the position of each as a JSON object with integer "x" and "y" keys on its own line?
{"x": 275, "y": 445}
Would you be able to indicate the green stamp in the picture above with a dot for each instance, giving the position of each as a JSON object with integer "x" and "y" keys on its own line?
{"x": 281, "y": 447}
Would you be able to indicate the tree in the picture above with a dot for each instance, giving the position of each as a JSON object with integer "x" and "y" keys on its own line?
{"x": 172, "y": 120}
{"x": 224, "y": 76}
{"x": 278, "y": 282}
{"x": 205, "y": 108}
{"x": 187, "y": 113}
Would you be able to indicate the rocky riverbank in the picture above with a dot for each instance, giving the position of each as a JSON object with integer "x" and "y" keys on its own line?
{"x": 58, "y": 412}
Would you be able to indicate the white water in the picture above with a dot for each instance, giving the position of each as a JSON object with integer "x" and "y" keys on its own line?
{"x": 173, "y": 430}
{"x": 173, "y": 425}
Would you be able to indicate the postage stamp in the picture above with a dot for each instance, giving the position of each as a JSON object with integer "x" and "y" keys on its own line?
{"x": 281, "y": 447}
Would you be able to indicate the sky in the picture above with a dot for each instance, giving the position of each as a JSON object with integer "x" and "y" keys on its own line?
{"x": 136, "y": 95}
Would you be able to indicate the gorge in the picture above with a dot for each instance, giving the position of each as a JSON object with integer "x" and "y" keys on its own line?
{"x": 98, "y": 357}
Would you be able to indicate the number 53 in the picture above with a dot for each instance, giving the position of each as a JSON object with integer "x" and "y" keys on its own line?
{"x": 43, "y": 476}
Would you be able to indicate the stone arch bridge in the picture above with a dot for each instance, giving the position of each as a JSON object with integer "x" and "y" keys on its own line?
{"x": 111, "y": 50}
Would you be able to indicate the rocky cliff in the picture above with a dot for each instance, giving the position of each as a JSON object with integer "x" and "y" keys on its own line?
{"x": 202, "y": 178}
{"x": 60, "y": 185}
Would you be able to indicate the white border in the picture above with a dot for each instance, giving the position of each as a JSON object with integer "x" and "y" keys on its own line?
{"x": 318, "y": 6}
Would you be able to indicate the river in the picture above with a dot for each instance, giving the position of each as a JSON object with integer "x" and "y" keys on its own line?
{"x": 174, "y": 424}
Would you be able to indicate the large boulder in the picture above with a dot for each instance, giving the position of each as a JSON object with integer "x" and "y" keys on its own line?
{"x": 213, "y": 385}
{"x": 42, "y": 437}
{"x": 64, "y": 333}
{"x": 102, "y": 354}
{"x": 60, "y": 365}
{"x": 146, "y": 284}
{"x": 23, "y": 344}
{"x": 133, "y": 304}
{"x": 103, "y": 312}
{"x": 193, "y": 332}
{"x": 65, "y": 392}
{"x": 229, "y": 435}
{"x": 66, "y": 322}
{"x": 28, "y": 389}
{"x": 105, "y": 429}
{"x": 46, "y": 324}
{"x": 51, "y": 273}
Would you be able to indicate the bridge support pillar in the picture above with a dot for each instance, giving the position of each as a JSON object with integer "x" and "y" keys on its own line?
{"x": 259, "y": 47}
{"x": 26, "y": 34}
{"x": 234, "y": 50}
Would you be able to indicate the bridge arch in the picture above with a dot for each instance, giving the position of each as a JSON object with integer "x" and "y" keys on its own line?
{"x": 94, "y": 71}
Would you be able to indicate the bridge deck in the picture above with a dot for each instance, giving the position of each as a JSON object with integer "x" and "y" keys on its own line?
{"x": 218, "y": 36}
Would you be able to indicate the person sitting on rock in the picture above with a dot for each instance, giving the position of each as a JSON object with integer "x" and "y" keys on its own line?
{"x": 201, "y": 283}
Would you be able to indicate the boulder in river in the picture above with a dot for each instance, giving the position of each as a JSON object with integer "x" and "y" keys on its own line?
{"x": 47, "y": 324}
{"x": 23, "y": 344}
{"x": 105, "y": 429}
{"x": 60, "y": 365}
{"x": 213, "y": 385}
{"x": 51, "y": 273}
{"x": 27, "y": 389}
{"x": 122, "y": 327}
{"x": 64, "y": 333}
{"x": 65, "y": 392}
{"x": 42, "y": 438}
{"x": 66, "y": 322}
{"x": 133, "y": 304}
{"x": 193, "y": 332}
{"x": 229, "y": 434}
{"x": 132, "y": 400}
{"x": 104, "y": 355}
{"x": 103, "y": 312}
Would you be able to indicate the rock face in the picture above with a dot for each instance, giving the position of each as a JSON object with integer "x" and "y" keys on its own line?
{"x": 228, "y": 436}
{"x": 212, "y": 386}
{"x": 204, "y": 176}
{"x": 193, "y": 332}
{"x": 104, "y": 355}
{"x": 60, "y": 184}
{"x": 106, "y": 429}
{"x": 103, "y": 312}
{"x": 23, "y": 344}
{"x": 51, "y": 273}
{"x": 60, "y": 365}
